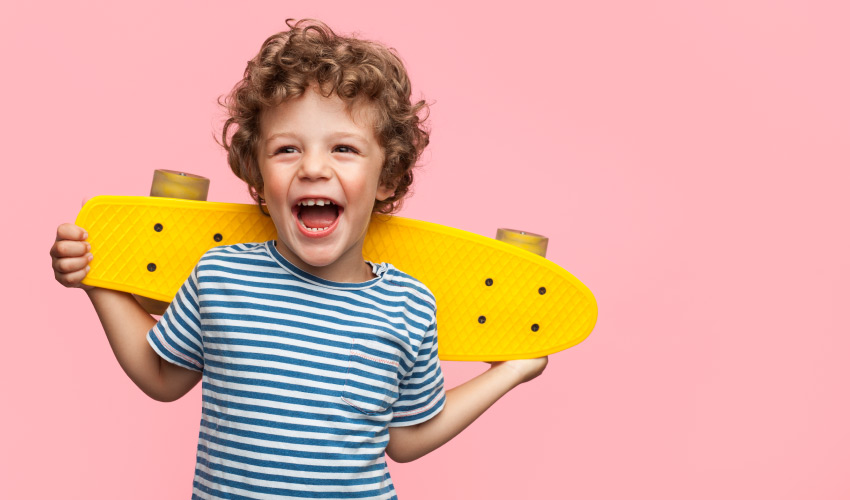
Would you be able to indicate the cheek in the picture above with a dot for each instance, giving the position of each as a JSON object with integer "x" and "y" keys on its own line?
{"x": 274, "y": 193}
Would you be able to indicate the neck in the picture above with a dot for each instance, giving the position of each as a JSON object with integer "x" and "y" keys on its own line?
{"x": 352, "y": 270}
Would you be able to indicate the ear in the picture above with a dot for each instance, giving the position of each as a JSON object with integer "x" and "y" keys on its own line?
{"x": 384, "y": 192}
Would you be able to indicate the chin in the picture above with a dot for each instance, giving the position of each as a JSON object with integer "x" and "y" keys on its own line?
{"x": 319, "y": 260}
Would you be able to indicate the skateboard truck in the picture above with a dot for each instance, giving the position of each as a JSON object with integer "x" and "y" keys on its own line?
{"x": 186, "y": 186}
{"x": 173, "y": 184}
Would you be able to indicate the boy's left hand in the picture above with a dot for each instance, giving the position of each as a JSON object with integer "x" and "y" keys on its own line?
{"x": 525, "y": 369}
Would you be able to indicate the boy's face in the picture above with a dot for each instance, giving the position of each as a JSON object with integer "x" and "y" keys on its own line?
{"x": 311, "y": 151}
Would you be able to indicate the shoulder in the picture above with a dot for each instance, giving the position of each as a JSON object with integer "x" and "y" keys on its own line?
{"x": 399, "y": 282}
{"x": 239, "y": 249}
{"x": 242, "y": 255}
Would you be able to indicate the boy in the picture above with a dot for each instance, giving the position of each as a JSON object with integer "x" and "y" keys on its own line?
{"x": 314, "y": 362}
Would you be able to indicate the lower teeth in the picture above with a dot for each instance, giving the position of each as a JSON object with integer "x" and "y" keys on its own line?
{"x": 312, "y": 228}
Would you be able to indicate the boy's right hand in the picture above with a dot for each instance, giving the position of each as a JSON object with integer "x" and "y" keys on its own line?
{"x": 71, "y": 255}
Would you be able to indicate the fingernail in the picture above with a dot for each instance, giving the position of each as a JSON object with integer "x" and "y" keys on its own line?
{"x": 88, "y": 268}
{"x": 85, "y": 235}
{"x": 90, "y": 256}
{"x": 88, "y": 247}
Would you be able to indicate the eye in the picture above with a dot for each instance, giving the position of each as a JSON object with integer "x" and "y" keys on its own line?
{"x": 344, "y": 149}
{"x": 286, "y": 150}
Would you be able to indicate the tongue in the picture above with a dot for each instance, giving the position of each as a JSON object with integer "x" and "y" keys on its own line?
{"x": 317, "y": 216}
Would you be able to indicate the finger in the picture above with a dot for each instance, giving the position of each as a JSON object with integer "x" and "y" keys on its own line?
{"x": 73, "y": 279}
{"x": 71, "y": 265}
{"x": 66, "y": 248}
{"x": 70, "y": 231}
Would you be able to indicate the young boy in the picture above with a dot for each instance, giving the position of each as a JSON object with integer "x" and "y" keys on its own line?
{"x": 314, "y": 362}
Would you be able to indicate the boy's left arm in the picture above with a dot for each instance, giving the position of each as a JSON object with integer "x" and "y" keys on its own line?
{"x": 463, "y": 405}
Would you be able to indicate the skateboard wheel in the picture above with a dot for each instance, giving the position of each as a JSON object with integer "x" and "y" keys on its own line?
{"x": 174, "y": 184}
{"x": 534, "y": 243}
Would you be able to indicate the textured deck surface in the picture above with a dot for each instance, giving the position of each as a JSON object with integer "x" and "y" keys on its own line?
{"x": 494, "y": 301}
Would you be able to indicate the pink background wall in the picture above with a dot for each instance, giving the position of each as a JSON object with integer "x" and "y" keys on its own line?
{"x": 688, "y": 160}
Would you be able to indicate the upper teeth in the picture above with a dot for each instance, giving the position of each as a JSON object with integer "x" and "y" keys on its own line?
{"x": 315, "y": 201}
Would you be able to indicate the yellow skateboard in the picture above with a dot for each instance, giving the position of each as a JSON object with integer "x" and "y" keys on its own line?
{"x": 495, "y": 301}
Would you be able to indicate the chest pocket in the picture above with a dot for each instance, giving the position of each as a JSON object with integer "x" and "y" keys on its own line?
{"x": 371, "y": 384}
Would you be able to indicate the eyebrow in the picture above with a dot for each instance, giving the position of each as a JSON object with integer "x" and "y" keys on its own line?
{"x": 336, "y": 136}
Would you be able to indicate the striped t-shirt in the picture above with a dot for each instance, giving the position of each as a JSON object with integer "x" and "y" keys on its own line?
{"x": 301, "y": 376}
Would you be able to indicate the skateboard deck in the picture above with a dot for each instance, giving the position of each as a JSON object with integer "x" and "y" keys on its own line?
{"x": 495, "y": 301}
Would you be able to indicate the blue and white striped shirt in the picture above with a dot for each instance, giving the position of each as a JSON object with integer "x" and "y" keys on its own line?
{"x": 301, "y": 376}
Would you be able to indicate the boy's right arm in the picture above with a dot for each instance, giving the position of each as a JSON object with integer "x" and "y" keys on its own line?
{"x": 125, "y": 322}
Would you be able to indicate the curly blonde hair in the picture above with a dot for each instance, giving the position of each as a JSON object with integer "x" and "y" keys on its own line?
{"x": 310, "y": 53}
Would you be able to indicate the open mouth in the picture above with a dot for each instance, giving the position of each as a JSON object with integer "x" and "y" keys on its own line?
{"x": 316, "y": 216}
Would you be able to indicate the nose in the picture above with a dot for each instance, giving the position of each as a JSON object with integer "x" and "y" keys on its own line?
{"x": 314, "y": 167}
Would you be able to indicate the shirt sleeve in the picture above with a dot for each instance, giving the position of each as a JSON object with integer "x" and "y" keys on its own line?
{"x": 421, "y": 393}
{"x": 177, "y": 336}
